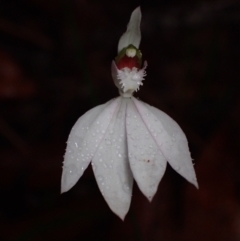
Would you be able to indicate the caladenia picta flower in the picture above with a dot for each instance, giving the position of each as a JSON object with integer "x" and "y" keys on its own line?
{"x": 126, "y": 139}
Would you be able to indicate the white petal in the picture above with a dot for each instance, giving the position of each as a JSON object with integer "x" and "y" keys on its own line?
{"x": 170, "y": 138}
{"x": 74, "y": 164}
{"x": 133, "y": 33}
{"x": 82, "y": 142}
{"x": 111, "y": 166}
{"x": 147, "y": 162}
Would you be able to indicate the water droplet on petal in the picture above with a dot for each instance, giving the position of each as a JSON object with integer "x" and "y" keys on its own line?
{"x": 100, "y": 178}
{"x": 126, "y": 188}
{"x": 72, "y": 169}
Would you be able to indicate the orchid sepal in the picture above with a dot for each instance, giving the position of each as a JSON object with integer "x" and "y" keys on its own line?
{"x": 133, "y": 33}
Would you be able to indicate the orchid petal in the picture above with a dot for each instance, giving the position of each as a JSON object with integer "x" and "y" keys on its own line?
{"x": 73, "y": 163}
{"x": 133, "y": 33}
{"x": 146, "y": 160}
{"x": 81, "y": 144}
{"x": 170, "y": 139}
{"x": 111, "y": 166}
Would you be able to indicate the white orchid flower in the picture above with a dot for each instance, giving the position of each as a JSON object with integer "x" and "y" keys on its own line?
{"x": 125, "y": 138}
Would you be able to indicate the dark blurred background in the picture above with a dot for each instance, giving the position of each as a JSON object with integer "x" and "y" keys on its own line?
{"x": 55, "y": 58}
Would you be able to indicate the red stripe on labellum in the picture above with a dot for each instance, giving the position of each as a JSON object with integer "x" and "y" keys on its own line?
{"x": 128, "y": 62}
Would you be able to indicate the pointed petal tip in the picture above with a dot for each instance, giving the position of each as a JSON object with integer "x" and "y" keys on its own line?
{"x": 122, "y": 217}
{"x": 137, "y": 10}
{"x": 61, "y": 191}
{"x": 150, "y": 198}
{"x": 192, "y": 180}
{"x": 196, "y": 184}
{"x": 136, "y": 16}
{"x": 120, "y": 212}
{"x": 68, "y": 181}
{"x": 133, "y": 33}
{"x": 64, "y": 188}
